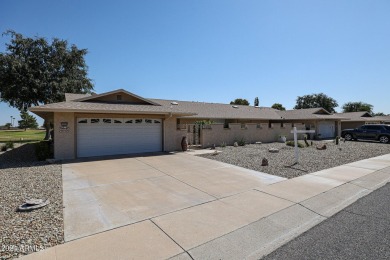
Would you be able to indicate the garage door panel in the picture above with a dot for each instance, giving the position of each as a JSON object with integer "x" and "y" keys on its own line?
{"x": 94, "y": 139}
{"x": 326, "y": 129}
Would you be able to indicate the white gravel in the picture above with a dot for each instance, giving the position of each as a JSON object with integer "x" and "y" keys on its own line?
{"x": 311, "y": 159}
{"x": 22, "y": 177}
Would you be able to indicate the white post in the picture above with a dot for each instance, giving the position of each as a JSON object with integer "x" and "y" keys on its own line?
{"x": 295, "y": 132}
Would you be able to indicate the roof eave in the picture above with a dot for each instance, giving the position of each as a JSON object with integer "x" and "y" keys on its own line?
{"x": 38, "y": 110}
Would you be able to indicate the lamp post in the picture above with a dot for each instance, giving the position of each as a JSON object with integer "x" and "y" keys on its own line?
{"x": 13, "y": 120}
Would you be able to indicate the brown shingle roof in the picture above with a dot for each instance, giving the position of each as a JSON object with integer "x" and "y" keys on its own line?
{"x": 70, "y": 96}
{"x": 307, "y": 113}
{"x": 361, "y": 116}
{"x": 382, "y": 118}
{"x": 92, "y": 107}
{"x": 202, "y": 110}
{"x": 221, "y": 111}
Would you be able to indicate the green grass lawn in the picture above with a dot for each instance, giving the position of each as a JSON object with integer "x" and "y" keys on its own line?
{"x": 21, "y": 135}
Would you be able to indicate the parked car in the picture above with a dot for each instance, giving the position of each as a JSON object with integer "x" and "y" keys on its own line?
{"x": 378, "y": 132}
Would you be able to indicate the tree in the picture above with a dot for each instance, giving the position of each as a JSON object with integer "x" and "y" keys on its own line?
{"x": 357, "y": 107}
{"x": 240, "y": 101}
{"x": 35, "y": 72}
{"x": 316, "y": 101}
{"x": 379, "y": 114}
{"x": 28, "y": 121}
{"x": 256, "y": 103}
{"x": 8, "y": 126}
{"x": 278, "y": 106}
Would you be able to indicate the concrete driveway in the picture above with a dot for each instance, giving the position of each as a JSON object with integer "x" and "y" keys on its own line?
{"x": 108, "y": 193}
{"x": 181, "y": 207}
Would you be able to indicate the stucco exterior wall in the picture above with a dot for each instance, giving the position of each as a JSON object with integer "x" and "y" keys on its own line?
{"x": 64, "y": 136}
{"x": 172, "y": 136}
{"x": 217, "y": 134}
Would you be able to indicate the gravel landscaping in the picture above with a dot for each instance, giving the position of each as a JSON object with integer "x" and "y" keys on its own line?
{"x": 311, "y": 159}
{"x": 23, "y": 177}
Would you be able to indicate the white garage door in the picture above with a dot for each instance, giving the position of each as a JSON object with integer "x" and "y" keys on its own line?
{"x": 110, "y": 136}
{"x": 326, "y": 129}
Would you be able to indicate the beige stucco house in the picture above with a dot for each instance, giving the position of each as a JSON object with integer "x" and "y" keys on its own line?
{"x": 120, "y": 122}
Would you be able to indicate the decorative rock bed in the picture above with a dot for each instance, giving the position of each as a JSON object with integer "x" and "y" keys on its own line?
{"x": 21, "y": 178}
{"x": 311, "y": 159}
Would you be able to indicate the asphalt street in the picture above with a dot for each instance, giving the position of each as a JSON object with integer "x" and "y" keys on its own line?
{"x": 360, "y": 231}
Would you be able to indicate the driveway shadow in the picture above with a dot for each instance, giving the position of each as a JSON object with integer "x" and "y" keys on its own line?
{"x": 113, "y": 157}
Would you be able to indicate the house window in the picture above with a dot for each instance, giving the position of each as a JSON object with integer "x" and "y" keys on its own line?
{"x": 119, "y": 97}
{"x": 95, "y": 120}
{"x": 128, "y": 121}
{"x": 157, "y": 121}
{"x": 83, "y": 121}
{"x": 138, "y": 121}
{"x": 148, "y": 121}
{"x": 107, "y": 120}
{"x": 117, "y": 121}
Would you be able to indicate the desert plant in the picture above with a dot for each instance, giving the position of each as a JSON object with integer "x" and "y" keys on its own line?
{"x": 305, "y": 140}
{"x": 42, "y": 150}
{"x": 291, "y": 143}
{"x": 9, "y": 145}
{"x": 241, "y": 142}
{"x": 204, "y": 122}
{"x": 223, "y": 144}
{"x": 337, "y": 140}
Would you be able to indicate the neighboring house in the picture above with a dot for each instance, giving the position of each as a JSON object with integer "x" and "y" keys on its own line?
{"x": 355, "y": 119}
{"x": 324, "y": 123}
{"x": 120, "y": 122}
{"x": 383, "y": 119}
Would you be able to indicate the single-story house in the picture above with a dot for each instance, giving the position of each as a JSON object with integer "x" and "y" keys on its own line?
{"x": 120, "y": 122}
{"x": 355, "y": 119}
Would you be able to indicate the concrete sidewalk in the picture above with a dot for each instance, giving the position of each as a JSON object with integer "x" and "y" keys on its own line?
{"x": 360, "y": 231}
{"x": 246, "y": 225}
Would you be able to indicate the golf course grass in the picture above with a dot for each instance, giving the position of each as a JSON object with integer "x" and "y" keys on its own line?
{"x": 21, "y": 135}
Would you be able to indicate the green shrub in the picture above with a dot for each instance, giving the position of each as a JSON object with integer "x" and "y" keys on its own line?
{"x": 9, "y": 145}
{"x": 291, "y": 143}
{"x": 223, "y": 144}
{"x": 3, "y": 148}
{"x": 42, "y": 150}
{"x": 241, "y": 142}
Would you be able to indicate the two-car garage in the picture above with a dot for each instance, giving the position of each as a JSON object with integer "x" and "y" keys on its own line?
{"x": 113, "y": 136}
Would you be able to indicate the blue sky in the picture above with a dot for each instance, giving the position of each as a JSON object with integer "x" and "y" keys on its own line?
{"x": 216, "y": 51}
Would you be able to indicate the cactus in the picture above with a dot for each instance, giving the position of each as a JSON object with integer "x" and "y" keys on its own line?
{"x": 305, "y": 139}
